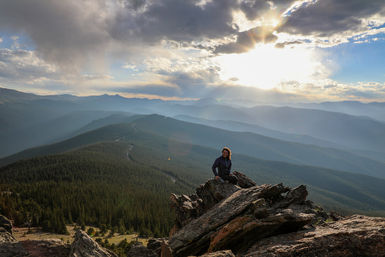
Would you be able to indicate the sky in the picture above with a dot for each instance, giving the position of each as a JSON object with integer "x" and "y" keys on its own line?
{"x": 234, "y": 51}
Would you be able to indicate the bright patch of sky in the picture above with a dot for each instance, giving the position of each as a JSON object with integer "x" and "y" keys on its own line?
{"x": 364, "y": 61}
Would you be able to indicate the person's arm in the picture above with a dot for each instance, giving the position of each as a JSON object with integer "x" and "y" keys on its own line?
{"x": 214, "y": 168}
{"x": 230, "y": 167}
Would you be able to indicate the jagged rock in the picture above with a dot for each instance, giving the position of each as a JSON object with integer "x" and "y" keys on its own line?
{"x": 6, "y": 224}
{"x": 350, "y": 236}
{"x": 243, "y": 180}
{"x": 84, "y": 246}
{"x": 245, "y": 216}
{"x": 191, "y": 207}
{"x": 207, "y": 195}
{"x": 141, "y": 251}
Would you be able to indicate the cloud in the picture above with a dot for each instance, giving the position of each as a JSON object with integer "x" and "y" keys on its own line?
{"x": 68, "y": 33}
{"x": 24, "y": 66}
{"x": 287, "y": 43}
{"x": 246, "y": 40}
{"x": 254, "y": 9}
{"x": 82, "y": 34}
{"x": 181, "y": 21}
{"x": 326, "y": 18}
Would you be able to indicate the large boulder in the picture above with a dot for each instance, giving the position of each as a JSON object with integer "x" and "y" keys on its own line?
{"x": 84, "y": 246}
{"x": 356, "y": 235}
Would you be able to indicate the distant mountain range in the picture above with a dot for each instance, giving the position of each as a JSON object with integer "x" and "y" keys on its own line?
{"x": 23, "y": 116}
{"x": 189, "y": 164}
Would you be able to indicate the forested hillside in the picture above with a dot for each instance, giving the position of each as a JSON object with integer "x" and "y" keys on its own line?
{"x": 92, "y": 187}
{"x": 121, "y": 177}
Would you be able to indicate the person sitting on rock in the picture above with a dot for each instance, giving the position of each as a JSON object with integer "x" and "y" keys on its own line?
{"x": 223, "y": 163}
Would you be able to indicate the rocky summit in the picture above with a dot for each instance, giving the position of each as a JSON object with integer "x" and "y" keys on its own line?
{"x": 222, "y": 219}
{"x": 225, "y": 220}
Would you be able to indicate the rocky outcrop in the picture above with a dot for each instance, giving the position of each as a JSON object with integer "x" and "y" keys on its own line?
{"x": 247, "y": 215}
{"x": 266, "y": 221}
{"x": 84, "y": 246}
{"x": 351, "y": 236}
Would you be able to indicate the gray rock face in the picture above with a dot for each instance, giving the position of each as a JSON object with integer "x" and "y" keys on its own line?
{"x": 84, "y": 246}
{"x": 356, "y": 235}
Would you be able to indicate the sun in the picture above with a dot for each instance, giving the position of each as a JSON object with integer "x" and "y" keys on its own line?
{"x": 266, "y": 66}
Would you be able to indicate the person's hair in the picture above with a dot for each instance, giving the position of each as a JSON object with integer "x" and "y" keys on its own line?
{"x": 228, "y": 150}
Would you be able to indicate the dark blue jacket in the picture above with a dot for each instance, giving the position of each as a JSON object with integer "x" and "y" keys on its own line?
{"x": 223, "y": 165}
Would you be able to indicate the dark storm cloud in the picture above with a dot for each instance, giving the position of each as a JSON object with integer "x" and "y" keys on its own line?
{"x": 246, "y": 40}
{"x": 328, "y": 17}
{"x": 182, "y": 21}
